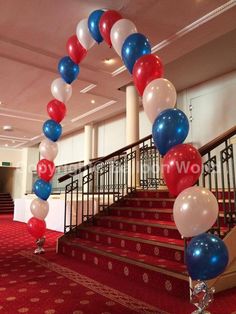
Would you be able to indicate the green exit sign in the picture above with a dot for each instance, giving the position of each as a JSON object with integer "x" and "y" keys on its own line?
{"x": 6, "y": 163}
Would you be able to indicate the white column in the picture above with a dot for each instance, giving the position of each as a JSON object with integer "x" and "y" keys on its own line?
{"x": 88, "y": 134}
{"x": 132, "y": 115}
{"x": 95, "y": 141}
{"x": 132, "y": 132}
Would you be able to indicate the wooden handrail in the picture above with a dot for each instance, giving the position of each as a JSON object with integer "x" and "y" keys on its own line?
{"x": 217, "y": 141}
{"x": 98, "y": 161}
{"x": 203, "y": 151}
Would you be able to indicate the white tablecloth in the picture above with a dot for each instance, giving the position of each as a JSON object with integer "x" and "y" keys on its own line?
{"x": 54, "y": 219}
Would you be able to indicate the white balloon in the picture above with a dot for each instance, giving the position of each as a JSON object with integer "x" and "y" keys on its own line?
{"x": 39, "y": 208}
{"x": 48, "y": 149}
{"x": 83, "y": 34}
{"x": 195, "y": 211}
{"x": 119, "y": 32}
{"x": 61, "y": 90}
{"x": 158, "y": 95}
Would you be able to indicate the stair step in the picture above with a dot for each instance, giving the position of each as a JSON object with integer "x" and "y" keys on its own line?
{"x": 152, "y": 193}
{"x": 6, "y": 203}
{"x": 146, "y": 202}
{"x": 166, "y": 194}
{"x": 164, "y": 203}
{"x": 143, "y": 243}
{"x": 169, "y": 275}
{"x": 155, "y": 227}
{"x": 136, "y": 212}
{"x": 148, "y": 213}
{"x": 5, "y": 211}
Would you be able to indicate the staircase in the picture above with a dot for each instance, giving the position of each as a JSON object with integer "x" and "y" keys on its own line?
{"x": 127, "y": 213}
{"x": 6, "y": 203}
{"x": 136, "y": 238}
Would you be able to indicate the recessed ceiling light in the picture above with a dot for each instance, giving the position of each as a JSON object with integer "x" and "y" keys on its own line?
{"x": 7, "y": 128}
{"x": 6, "y": 145}
{"x": 109, "y": 61}
{"x": 92, "y": 101}
{"x": 88, "y": 88}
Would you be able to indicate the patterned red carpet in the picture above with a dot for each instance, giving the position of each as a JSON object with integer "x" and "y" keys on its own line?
{"x": 54, "y": 283}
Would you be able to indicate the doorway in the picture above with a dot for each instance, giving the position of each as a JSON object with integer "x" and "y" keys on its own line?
{"x": 6, "y": 180}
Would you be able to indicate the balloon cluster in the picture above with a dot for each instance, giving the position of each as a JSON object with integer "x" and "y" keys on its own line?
{"x": 195, "y": 209}
{"x": 45, "y": 168}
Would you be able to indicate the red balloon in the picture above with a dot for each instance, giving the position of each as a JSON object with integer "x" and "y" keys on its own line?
{"x": 36, "y": 227}
{"x": 45, "y": 169}
{"x": 146, "y": 69}
{"x": 75, "y": 50}
{"x": 56, "y": 110}
{"x": 106, "y": 22}
{"x": 182, "y": 166}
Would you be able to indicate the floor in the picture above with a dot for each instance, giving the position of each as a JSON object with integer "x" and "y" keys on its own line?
{"x": 52, "y": 283}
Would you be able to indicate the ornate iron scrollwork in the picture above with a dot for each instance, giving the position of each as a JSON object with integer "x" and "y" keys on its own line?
{"x": 71, "y": 186}
{"x": 210, "y": 166}
{"x": 88, "y": 178}
{"x": 227, "y": 153}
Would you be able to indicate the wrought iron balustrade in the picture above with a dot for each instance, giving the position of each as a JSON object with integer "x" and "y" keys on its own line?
{"x": 92, "y": 188}
{"x": 108, "y": 179}
{"x": 218, "y": 175}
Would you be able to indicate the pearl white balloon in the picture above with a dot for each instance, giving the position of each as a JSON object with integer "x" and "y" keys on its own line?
{"x": 48, "y": 149}
{"x": 83, "y": 34}
{"x": 61, "y": 90}
{"x": 158, "y": 95}
{"x": 39, "y": 208}
{"x": 195, "y": 211}
{"x": 119, "y": 32}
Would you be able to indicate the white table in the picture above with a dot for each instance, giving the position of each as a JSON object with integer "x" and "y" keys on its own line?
{"x": 55, "y": 217}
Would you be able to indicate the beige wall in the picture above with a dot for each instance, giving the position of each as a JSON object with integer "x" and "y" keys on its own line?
{"x": 213, "y": 108}
{"x": 12, "y": 155}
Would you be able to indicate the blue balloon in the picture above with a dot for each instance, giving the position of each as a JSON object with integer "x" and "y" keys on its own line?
{"x": 206, "y": 257}
{"x": 93, "y": 25}
{"x": 42, "y": 189}
{"x": 135, "y": 46}
{"x": 169, "y": 129}
{"x": 68, "y": 69}
{"x": 52, "y": 130}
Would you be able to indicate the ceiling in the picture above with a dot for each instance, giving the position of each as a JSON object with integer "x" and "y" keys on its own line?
{"x": 196, "y": 39}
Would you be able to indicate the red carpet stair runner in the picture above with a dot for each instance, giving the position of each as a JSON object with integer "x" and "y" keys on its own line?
{"x": 136, "y": 238}
{"x": 6, "y": 203}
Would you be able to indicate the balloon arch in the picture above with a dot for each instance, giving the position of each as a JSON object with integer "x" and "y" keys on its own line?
{"x": 196, "y": 208}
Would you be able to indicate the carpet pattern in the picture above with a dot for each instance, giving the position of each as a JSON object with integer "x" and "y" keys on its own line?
{"x": 115, "y": 296}
{"x": 62, "y": 284}
{"x": 33, "y": 284}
